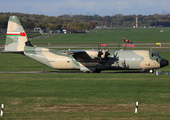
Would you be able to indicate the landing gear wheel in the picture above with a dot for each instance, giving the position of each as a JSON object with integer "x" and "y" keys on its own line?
{"x": 97, "y": 71}
{"x": 151, "y": 71}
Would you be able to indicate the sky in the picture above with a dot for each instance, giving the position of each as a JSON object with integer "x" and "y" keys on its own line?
{"x": 86, "y": 7}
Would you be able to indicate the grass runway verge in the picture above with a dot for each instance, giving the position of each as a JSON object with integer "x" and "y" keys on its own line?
{"x": 85, "y": 96}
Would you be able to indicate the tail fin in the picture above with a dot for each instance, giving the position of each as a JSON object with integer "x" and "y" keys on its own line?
{"x": 16, "y": 36}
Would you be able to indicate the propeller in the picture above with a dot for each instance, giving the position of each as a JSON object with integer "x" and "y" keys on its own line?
{"x": 107, "y": 54}
{"x": 100, "y": 53}
{"x": 116, "y": 58}
{"x": 124, "y": 65}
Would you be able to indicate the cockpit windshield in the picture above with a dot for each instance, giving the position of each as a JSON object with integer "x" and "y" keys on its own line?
{"x": 156, "y": 55}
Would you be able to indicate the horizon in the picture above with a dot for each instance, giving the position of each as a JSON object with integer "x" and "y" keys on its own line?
{"x": 82, "y": 14}
{"x": 89, "y": 7}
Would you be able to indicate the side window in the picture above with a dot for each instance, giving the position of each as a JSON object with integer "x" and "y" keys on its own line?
{"x": 153, "y": 55}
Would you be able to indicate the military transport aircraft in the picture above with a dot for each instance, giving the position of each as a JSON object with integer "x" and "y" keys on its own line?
{"x": 83, "y": 60}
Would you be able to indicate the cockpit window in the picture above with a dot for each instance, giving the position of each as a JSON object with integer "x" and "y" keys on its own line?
{"x": 156, "y": 55}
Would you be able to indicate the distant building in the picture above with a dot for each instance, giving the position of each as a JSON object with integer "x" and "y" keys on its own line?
{"x": 62, "y": 31}
{"x": 65, "y": 31}
{"x": 38, "y": 30}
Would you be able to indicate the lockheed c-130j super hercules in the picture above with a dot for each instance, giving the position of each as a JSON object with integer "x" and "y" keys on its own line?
{"x": 83, "y": 60}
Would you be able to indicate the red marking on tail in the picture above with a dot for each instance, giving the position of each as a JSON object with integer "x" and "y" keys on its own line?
{"x": 22, "y": 33}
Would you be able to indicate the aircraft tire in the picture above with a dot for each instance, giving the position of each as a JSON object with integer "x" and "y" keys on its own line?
{"x": 98, "y": 71}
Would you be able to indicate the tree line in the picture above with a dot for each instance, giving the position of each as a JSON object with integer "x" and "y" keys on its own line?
{"x": 84, "y": 22}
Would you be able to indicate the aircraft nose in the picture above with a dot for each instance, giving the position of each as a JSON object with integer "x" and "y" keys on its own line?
{"x": 164, "y": 63}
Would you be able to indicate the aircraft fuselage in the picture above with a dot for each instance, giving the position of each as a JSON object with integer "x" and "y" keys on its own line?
{"x": 89, "y": 61}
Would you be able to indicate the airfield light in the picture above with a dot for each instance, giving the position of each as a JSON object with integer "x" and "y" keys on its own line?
{"x": 136, "y": 108}
{"x": 2, "y": 108}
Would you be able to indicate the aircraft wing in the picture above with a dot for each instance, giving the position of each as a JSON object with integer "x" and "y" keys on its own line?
{"x": 82, "y": 54}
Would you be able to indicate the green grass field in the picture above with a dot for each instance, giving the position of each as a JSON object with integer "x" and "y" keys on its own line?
{"x": 85, "y": 96}
{"x": 89, "y": 96}
{"x": 114, "y": 35}
{"x": 152, "y": 35}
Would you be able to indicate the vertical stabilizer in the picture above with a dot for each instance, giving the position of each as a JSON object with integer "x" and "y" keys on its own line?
{"x": 16, "y": 36}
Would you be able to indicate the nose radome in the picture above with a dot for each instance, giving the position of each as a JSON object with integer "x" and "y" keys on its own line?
{"x": 164, "y": 63}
